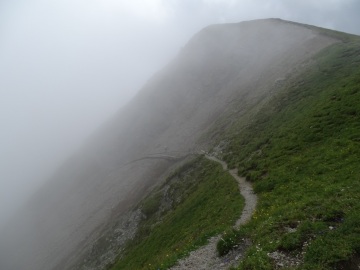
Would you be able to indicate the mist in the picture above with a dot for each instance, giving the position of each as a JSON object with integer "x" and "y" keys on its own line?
{"x": 67, "y": 66}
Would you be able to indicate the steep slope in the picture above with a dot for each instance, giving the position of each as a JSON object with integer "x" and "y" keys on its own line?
{"x": 301, "y": 152}
{"x": 223, "y": 65}
{"x": 196, "y": 202}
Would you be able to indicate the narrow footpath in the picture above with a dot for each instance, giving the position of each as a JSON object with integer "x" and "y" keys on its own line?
{"x": 206, "y": 257}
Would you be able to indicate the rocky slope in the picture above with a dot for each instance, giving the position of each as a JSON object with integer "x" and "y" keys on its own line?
{"x": 222, "y": 65}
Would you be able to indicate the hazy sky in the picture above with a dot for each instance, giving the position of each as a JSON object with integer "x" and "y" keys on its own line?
{"x": 67, "y": 65}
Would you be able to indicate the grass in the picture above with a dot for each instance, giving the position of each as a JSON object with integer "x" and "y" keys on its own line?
{"x": 301, "y": 151}
{"x": 198, "y": 201}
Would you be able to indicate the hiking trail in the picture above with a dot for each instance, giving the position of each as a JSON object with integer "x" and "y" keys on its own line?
{"x": 206, "y": 257}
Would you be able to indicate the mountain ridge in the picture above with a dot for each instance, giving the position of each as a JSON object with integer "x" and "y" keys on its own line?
{"x": 221, "y": 65}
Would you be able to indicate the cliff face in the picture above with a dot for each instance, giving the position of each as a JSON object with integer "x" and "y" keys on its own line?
{"x": 240, "y": 62}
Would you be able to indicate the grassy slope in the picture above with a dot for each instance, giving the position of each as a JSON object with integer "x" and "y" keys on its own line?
{"x": 301, "y": 151}
{"x": 209, "y": 203}
{"x": 304, "y": 149}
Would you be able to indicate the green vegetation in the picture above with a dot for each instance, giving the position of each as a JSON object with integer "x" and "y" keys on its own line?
{"x": 229, "y": 239}
{"x": 196, "y": 202}
{"x": 301, "y": 151}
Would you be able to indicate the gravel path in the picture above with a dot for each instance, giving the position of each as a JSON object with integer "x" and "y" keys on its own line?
{"x": 206, "y": 257}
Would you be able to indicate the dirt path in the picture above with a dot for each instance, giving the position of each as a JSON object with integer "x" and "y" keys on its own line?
{"x": 206, "y": 257}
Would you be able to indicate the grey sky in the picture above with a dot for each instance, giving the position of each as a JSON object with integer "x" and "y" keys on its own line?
{"x": 67, "y": 65}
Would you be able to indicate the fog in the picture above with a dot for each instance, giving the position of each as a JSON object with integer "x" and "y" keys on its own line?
{"x": 67, "y": 66}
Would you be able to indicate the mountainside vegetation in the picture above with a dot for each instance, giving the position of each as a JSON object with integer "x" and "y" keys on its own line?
{"x": 197, "y": 201}
{"x": 300, "y": 149}
{"x": 301, "y": 152}
{"x": 276, "y": 100}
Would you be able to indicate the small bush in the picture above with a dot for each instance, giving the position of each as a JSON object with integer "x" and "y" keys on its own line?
{"x": 229, "y": 241}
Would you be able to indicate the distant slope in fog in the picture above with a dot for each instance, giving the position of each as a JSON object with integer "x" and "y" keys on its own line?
{"x": 222, "y": 64}
{"x": 299, "y": 150}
